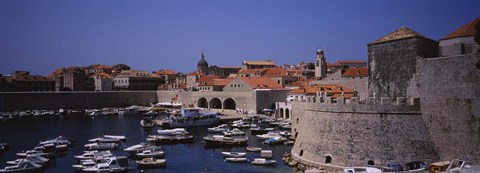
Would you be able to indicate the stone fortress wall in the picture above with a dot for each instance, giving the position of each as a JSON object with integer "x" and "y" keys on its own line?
{"x": 430, "y": 112}
{"x": 17, "y": 101}
{"x": 356, "y": 133}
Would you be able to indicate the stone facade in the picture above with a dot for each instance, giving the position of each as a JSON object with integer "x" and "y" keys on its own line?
{"x": 392, "y": 65}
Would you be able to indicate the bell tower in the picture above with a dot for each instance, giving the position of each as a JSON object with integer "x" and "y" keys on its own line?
{"x": 320, "y": 65}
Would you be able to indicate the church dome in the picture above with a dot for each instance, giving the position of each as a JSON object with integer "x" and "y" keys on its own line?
{"x": 202, "y": 62}
{"x": 308, "y": 72}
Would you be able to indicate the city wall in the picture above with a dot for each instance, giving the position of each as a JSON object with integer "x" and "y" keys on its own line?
{"x": 11, "y": 101}
{"x": 450, "y": 98}
{"x": 355, "y": 133}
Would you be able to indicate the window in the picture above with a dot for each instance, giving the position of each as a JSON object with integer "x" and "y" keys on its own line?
{"x": 301, "y": 152}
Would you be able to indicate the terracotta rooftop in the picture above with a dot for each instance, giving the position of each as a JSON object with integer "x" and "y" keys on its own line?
{"x": 103, "y": 67}
{"x": 333, "y": 90}
{"x": 205, "y": 79}
{"x": 401, "y": 33}
{"x": 274, "y": 72}
{"x": 165, "y": 72}
{"x": 103, "y": 75}
{"x": 356, "y": 72}
{"x": 261, "y": 82}
{"x": 258, "y": 62}
{"x": 466, "y": 30}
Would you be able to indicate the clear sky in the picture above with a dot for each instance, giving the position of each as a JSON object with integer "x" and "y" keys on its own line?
{"x": 40, "y": 36}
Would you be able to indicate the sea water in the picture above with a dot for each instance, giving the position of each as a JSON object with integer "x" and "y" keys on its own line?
{"x": 25, "y": 134}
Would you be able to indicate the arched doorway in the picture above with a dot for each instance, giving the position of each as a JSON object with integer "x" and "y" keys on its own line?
{"x": 281, "y": 112}
{"x": 202, "y": 103}
{"x": 370, "y": 163}
{"x": 287, "y": 114}
{"x": 229, "y": 104}
{"x": 328, "y": 159}
{"x": 215, "y": 103}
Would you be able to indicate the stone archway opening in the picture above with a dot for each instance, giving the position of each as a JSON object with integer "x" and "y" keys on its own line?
{"x": 281, "y": 112}
{"x": 328, "y": 159}
{"x": 215, "y": 103}
{"x": 202, "y": 103}
{"x": 229, "y": 104}
{"x": 370, "y": 163}
{"x": 287, "y": 114}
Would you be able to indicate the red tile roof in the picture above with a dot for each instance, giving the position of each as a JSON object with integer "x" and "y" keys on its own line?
{"x": 205, "y": 79}
{"x": 356, "y": 72}
{"x": 466, "y": 30}
{"x": 103, "y": 67}
{"x": 103, "y": 75}
{"x": 261, "y": 82}
{"x": 165, "y": 72}
{"x": 333, "y": 90}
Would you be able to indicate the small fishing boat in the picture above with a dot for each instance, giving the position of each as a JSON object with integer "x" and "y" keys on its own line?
{"x": 234, "y": 154}
{"x": 150, "y": 153}
{"x": 105, "y": 140}
{"x": 254, "y": 149}
{"x": 263, "y": 162}
{"x": 120, "y": 137}
{"x": 236, "y": 159}
{"x": 101, "y": 146}
{"x": 93, "y": 154}
{"x": 151, "y": 162}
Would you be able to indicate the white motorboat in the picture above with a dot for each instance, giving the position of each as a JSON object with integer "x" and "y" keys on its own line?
{"x": 105, "y": 140}
{"x": 170, "y": 138}
{"x": 150, "y": 153}
{"x": 131, "y": 110}
{"x": 114, "y": 164}
{"x": 93, "y": 154}
{"x": 268, "y": 135}
{"x": 234, "y": 132}
{"x": 101, "y": 146}
{"x": 225, "y": 140}
{"x": 234, "y": 154}
{"x": 236, "y": 159}
{"x": 36, "y": 151}
{"x": 82, "y": 164}
{"x": 189, "y": 117}
{"x": 361, "y": 170}
{"x": 32, "y": 158}
{"x": 219, "y": 129}
{"x": 254, "y": 149}
{"x": 263, "y": 162}
{"x": 23, "y": 166}
{"x": 120, "y": 137}
{"x": 275, "y": 140}
{"x": 56, "y": 141}
{"x": 151, "y": 162}
{"x": 176, "y": 131}
{"x": 140, "y": 147}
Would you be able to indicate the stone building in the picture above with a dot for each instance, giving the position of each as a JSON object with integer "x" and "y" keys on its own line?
{"x": 23, "y": 81}
{"x": 392, "y": 62}
{"x": 103, "y": 81}
{"x": 136, "y": 80}
{"x": 257, "y": 64}
{"x": 460, "y": 41}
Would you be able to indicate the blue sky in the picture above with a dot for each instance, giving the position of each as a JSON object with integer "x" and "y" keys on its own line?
{"x": 40, "y": 36}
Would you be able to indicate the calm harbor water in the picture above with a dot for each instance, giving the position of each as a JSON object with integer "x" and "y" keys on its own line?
{"x": 195, "y": 157}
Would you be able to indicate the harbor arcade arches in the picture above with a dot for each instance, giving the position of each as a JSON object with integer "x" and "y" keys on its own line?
{"x": 202, "y": 103}
{"x": 215, "y": 103}
{"x": 229, "y": 104}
